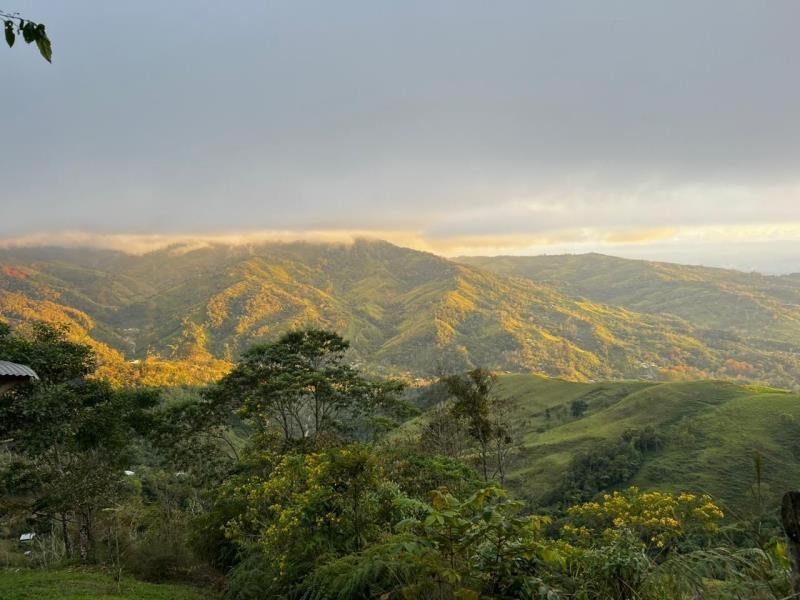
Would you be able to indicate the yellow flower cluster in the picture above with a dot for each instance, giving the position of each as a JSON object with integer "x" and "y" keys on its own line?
{"x": 658, "y": 517}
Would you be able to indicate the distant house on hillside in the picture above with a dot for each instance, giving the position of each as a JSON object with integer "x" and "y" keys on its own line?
{"x": 12, "y": 374}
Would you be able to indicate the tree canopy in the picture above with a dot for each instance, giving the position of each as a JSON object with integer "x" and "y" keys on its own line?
{"x": 302, "y": 387}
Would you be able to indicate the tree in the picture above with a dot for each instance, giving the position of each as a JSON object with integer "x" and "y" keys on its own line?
{"x": 194, "y": 434}
{"x": 70, "y": 436}
{"x": 578, "y": 407}
{"x": 489, "y": 419}
{"x": 445, "y": 434}
{"x": 320, "y": 504}
{"x": 478, "y": 548}
{"x": 659, "y": 519}
{"x": 31, "y": 32}
{"x": 47, "y": 350}
{"x": 301, "y": 386}
{"x": 605, "y": 465}
{"x": 473, "y": 395}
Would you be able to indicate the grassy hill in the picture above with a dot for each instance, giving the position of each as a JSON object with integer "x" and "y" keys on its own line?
{"x": 710, "y": 429}
{"x": 404, "y": 312}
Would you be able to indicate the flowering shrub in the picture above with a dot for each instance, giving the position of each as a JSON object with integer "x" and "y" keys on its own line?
{"x": 314, "y": 505}
{"x": 660, "y": 519}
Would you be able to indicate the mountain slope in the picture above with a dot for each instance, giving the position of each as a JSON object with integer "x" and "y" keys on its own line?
{"x": 711, "y": 431}
{"x": 747, "y": 304}
{"x": 404, "y": 311}
{"x": 751, "y": 310}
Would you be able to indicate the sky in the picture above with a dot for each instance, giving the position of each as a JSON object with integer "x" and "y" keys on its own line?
{"x": 659, "y": 130}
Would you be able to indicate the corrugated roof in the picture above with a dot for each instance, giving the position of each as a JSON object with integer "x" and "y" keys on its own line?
{"x": 16, "y": 370}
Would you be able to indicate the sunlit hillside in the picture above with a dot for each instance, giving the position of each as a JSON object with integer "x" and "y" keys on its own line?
{"x": 404, "y": 311}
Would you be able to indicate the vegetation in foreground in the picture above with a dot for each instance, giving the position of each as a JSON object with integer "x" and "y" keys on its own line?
{"x": 84, "y": 584}
{"x": 283, "y": 481}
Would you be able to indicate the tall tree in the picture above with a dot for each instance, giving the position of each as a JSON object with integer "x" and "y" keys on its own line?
{"x": 302, "y": 386}
{"x": 488, "y": 417}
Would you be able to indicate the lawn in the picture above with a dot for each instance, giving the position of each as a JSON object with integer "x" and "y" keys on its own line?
{"x": 87, "y": 585}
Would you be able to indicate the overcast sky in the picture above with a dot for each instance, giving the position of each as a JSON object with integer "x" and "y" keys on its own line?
{"x": 656, "y": 129}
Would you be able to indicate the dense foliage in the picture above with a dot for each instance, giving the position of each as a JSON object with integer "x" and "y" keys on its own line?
{"x": 289, "y": 479}
{"x": 68, "y": 438}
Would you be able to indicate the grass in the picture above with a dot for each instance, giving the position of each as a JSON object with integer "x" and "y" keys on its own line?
{"x": 712, "y": 431}
{"x": 87, "y": 585}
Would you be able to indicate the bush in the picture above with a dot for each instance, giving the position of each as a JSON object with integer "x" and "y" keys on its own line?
{"x": 254, "y": 578}
{"x": 419, "y": 475}
{"x": 610, "y": 464}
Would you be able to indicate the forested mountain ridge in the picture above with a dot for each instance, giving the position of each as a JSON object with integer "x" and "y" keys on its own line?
{"x": 404, "y": 311}
{"x": 751, "y": 305}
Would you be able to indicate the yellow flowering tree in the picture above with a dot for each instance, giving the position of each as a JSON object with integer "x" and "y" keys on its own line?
{"x": 314, "y": 507}
{"x": 660, "y": 519}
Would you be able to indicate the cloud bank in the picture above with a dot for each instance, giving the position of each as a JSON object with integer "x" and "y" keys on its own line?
{"x": 768, "y": 249}
{"x": 460, "y": 127}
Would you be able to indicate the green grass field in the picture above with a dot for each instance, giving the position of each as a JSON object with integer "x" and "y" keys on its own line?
{"x": 711, "y": 431}
{"x": 87, "y": 585}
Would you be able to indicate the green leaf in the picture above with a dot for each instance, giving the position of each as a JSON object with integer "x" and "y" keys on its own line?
{"x": 43, "y": 43}
{"x": 10, "y": 36}
{"x": 28, "y": 32}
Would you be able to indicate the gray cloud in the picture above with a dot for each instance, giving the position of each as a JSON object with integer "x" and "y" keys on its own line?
{"x": 452, "y": 118}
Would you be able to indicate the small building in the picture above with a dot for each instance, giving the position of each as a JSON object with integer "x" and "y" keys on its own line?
{"x": 13, "y": 374}
{"x": 26, "y": 538}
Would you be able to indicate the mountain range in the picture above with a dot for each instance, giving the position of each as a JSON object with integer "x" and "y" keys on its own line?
{"x": 183, "y": 313}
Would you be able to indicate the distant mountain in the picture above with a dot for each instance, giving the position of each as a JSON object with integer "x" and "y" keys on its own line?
{"x": 749, "y": 309}
{"x": 748, "y": 304}
{"x": 405, "y": 312}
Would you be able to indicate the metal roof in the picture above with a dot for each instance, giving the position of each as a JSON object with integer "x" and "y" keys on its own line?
{"x": 9, "y": 369}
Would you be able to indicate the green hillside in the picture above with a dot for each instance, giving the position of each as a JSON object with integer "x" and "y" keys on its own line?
{"x": 404, "y": 311}
{"x": 710, "y": 432}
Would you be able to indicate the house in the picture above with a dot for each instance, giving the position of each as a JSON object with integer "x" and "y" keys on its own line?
{"x": 26, "y": 538}
{"x": 12, "y": 374}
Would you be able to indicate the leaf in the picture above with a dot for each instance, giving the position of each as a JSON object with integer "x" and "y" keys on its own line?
{"x": 10, "y": 36}
{"x": 28, "y": 32}
{"x": 43, "y": 43}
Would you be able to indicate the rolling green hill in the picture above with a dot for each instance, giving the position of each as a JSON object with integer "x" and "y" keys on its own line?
{"x": 405, "y": 312}
{"x": 710, "y": 432}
